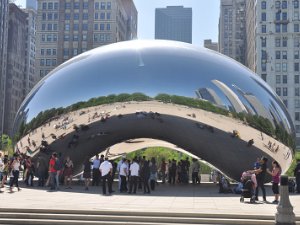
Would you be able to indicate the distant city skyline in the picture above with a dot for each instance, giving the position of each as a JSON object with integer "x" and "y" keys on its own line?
{"x": 205, "y": 17}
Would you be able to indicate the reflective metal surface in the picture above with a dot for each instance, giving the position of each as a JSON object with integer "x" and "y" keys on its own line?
{"x": 194, "y": 98}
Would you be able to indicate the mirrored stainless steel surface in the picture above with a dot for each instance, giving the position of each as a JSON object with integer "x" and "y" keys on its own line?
{"x": 194, "y": 98}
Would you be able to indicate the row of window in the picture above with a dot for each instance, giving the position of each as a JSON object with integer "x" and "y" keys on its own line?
{"x": 280, "y": 4}
{"x": 50, "y": 27}
{"x": 49, "y": 16}
{"x": 49, "y": 37}
{"x": 76, "y": 5}
{"x": 48, "y": 51}
{"x": 47, "y": 62}
{"x": 75, "y": 37}
{"x": 102, "y": 37}
{"x": 283, "y": 91}
{"x": 101, "y": 16}
{"x": 284, "y": 78}
{"x": 101, "y": 26}
{"x": 103, "y": 5}
{"x": 76, "y": 16}
{"x": 72, "y": 52}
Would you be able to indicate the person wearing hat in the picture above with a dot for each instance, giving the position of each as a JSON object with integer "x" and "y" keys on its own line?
{"x": 260, "y": 177}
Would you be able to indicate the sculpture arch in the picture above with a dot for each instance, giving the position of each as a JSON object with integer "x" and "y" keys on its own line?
{"x": 194, "y": 98}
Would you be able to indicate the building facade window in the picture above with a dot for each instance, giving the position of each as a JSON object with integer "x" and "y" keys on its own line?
{"x": 278, "y": 55}
{"x": 102, "y": 5}
{"x": 284, "y": 91}
{"x": 264, "y": 77}
{"x": 85, "y": 16}
{"x": 284, "y": 16}
{"x": 277, "y": 28}
{"x": 263, "y": 42}
{"x": 297, "y": 91}
{"x": 296, "y": 4}
{"x": 108, "y": 5}
{"x": 108, "y": 16}
{"x": 284, "y": 4}
{"x": 278, "y": 91}
{"x": 278, "y": 67}
{"x": 296, "y": 79}
{"x": 263, "y": 16}
{"x": 85, "y": 26}
{"x": 297, "y": 103}
{"x": 284, "y": 42}
{"x": 277, "y": 4}
{"x": 263, "y": 28}
{"x": 76, "y": 16}
{"x": 76, "y": 5}
{"x": 284, "y": 79}
{"x": 284, "y": 54}
{"x": 278, "y": 79}
{"x": 284, "y": 67}
{"x": 297, "y": 116}
{"x": 76, "y": 26}
{"x": 284, "y": 28}
{"x": 296, "y": 67}
{"x": 296, "y": 27}
{"x": 102, "y": 16}
{"x": 263, "y": 5}
{"x": 277, "y": 42}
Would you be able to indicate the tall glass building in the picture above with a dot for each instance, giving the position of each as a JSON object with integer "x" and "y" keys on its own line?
{"x": 174, "y": 23}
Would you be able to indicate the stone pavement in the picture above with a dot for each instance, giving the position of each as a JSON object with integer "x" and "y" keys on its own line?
{"x": 203, "y": 198}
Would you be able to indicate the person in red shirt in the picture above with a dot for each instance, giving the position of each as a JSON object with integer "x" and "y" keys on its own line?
{"x": 52, "y": 170}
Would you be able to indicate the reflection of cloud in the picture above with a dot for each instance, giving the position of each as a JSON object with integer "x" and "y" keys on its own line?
{"x": 234, "y": 100}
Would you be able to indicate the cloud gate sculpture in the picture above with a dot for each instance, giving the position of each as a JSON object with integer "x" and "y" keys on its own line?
{"x": 196, "y": 99}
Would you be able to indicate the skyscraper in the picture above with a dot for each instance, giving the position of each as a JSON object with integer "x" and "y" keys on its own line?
{"x": 3, "y": 57}
{"x": 68, "y": 28}
{"x": 174, "y": 23}
{"x": 16, "y": 65}
{"x": 232, "y": 32}
{"x": 273, "y": 40}
{"x": 211, "y": 45}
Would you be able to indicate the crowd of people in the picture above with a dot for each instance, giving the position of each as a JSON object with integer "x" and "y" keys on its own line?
{"x": 132, "y": 175}
{"x": 135, "y": 174}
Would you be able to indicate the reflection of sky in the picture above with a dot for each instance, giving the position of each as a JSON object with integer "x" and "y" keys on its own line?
{"x": 166, "y": 67}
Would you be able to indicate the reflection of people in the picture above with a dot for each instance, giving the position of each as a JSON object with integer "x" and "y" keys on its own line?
{"x": 275, "y": 173}
{"x": 297, "y": 175}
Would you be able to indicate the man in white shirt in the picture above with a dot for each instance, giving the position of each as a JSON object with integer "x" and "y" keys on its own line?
{"x": 106, "y": 172}
{"x": 118, "y": 169}
{"x": 96, "y": 172}
{"x": 134, "y": 175}
{"x": 123, "y": 175}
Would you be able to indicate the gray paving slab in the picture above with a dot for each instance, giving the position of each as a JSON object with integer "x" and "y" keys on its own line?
{"x": 203, "y": 198}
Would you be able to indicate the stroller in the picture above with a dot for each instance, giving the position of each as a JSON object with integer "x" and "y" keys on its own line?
{"x": 249, "y": 183}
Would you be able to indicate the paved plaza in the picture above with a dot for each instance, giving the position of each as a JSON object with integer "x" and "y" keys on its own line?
{"x": 203, "y": 198}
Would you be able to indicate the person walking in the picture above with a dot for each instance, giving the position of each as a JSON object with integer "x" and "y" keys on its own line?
{"x": 153, "y": 173}
{"x": 106, "y": 171}
{"x": 297, "y": 175}
{"x": 15, "y": 166}
{"x": 134, "y": 175}
{"x": 275, "y": 173}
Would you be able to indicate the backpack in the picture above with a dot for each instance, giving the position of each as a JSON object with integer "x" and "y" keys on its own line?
{"x": 57, "y": 165}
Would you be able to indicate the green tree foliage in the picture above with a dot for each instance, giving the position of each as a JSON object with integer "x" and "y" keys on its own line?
{"x": 290, "y": 171}
{"x": 6, "y": 145}
{"x": 160, "y": 153}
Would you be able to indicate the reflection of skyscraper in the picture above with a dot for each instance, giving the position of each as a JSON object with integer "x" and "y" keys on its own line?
{"x": 236, "y": 103}
{"x": 210, "y": 95}
{"x": 174, "y": 23}
{"x": 256, "y": 107}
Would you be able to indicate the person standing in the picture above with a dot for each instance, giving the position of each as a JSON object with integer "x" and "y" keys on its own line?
{"x": 118, "y": 169}
{"x": 297, "y": 175}
{"x": 260, "y": 177}
{"x": 15, "y": 166}
{"x": 68, "y": 172}
{"x": 96, "y": 172}
{"x": 195, "y": 171}
{"x": 275, "y": 173}
{"x": 87, "y": 173}
{"x": 153, "y": 173}
{"x": 134, "y": 175}
{"x": 106, "y": 171}
{"x": 1, "y": 166}
{"x": 163, "y": 168}
{"x": 53, "y": 171}
{"x": 145, "y": 174}
{"x": 123, "y": 176}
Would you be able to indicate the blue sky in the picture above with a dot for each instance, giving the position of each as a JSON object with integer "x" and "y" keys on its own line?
{"x": 205, "y": 17}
